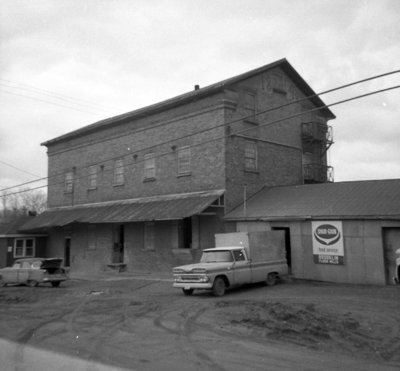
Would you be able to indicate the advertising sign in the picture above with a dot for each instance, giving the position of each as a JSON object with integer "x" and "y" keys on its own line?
{"x": 327, "y": 237}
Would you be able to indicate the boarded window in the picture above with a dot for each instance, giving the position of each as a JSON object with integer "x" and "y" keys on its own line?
{"x": 184, "y": 166}
{"x": 119, "y": 172}
{"x": 250, "y": 104}
{"x": 149, "y": 236}
{"x": 69, "y": 182}
{"x": 92, "y": 177}
{"x": 92, "y": 237}
{"x": 250, "y": 155}
{"x": 149, "y": 166}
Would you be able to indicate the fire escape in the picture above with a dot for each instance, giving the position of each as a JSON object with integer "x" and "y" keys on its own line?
{"x": 316, "y": 140}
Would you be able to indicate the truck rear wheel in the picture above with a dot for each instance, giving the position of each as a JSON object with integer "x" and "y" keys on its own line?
{"x": 271, "y": 279}
{"x": 219, "y": 287}
{"x": 188, "y": 291}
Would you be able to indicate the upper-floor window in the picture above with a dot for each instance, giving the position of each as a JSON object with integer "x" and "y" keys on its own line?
{"x": 250, "y": 104}
{"x": 119, "y": 172}
{"x": 24, "y": 247}
{"x": 184, "y": 165}
{"x": 149, "y": 166}
{"x": 250, "y": 155}
{"x": 69, "y": 182}
{"x": 92, "y": 177}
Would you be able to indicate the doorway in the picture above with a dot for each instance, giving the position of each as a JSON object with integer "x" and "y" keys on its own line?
{"x": 391, "y": 242}
{"x": 67, "y": 251}
{"x": 288, "y": 252}
{"x": 118, "y": 245}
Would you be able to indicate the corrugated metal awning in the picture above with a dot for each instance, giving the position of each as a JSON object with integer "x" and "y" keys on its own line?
{"x": 168, "y": 207}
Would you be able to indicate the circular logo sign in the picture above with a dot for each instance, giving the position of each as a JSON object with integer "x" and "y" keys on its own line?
{"x": 327, "y": 234}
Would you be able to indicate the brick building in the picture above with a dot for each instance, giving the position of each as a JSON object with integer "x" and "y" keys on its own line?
{"x": 148, "y": 189}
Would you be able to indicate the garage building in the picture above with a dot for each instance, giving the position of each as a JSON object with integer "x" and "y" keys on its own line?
{"x": 344, "y": 232}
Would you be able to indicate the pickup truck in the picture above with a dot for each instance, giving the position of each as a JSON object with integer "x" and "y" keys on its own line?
{"x": 225, "y": 267}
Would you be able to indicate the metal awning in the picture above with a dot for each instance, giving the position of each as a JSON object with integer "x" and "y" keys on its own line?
{"x": 167, "y": 207}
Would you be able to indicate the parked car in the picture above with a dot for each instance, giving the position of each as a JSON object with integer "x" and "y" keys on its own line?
{"x": 32, "y": 271}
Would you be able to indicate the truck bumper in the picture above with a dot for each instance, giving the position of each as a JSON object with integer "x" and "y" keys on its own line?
{"x": 193, "y": 285}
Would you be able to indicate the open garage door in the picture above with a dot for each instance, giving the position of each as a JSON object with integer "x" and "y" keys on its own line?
{"x": 391, "y": 242}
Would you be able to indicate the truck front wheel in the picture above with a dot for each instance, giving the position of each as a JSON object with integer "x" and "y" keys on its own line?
{"x": 271, "y": 279}
{"x": 219, "y": 287}
{"x": 187, "y": 291}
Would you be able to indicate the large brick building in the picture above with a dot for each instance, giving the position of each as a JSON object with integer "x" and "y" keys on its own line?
{"x": 149, "y": 188}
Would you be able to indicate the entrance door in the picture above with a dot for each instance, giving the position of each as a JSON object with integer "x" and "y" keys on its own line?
{"x": 287, "y": 244}
{"x": 67, "y": 251}
{"x": 391, "y": 242}
{"x": 119, "y": 243}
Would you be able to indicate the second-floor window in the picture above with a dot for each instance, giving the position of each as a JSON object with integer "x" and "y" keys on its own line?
{"x": 119, "y": 172}
{"x": 92, "y": 177}
{"x": 184, "y": 165}
{"x": 250, "y": 155}
{"x": 69, "y": 182}
{"x": 149, "y": 166}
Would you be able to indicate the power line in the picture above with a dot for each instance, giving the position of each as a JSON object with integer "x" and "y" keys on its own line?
{"x": 56, "y": 95}
{"x": 220, "y": 125}
{"x": 49, "y": 102}
{"x": 16, "y": 168}
{"x": 241, "y": 131}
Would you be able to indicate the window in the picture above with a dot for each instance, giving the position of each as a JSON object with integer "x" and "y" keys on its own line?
{"x": 184, "y": 167}
{"x": 149, "y": 166}
{"x": 250, "y": 104}
{"x": 250, "y": 155}
{"x": 69, "y": 182}
{"x": 24, "y": 247}
{"x": 92, "y": 177}
{"x": 119, "y": 172}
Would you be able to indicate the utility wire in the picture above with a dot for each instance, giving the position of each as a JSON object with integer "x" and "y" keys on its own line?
{"x": 49, "y": 102}
{"x": 243, "y": 130}
{"x": 16, "y": 168}
{"x": 55, "y": 95}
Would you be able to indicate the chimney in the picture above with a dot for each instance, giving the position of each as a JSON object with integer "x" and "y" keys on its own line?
{"x": 196, "y": 87}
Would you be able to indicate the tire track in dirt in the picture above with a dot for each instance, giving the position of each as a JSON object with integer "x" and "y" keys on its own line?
{"x": 185, "y": 325}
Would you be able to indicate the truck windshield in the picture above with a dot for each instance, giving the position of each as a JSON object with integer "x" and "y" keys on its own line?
{"x": 216, "y": 257}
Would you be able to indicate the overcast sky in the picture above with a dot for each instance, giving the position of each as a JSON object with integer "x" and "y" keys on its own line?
{"x": 66, "y": 64}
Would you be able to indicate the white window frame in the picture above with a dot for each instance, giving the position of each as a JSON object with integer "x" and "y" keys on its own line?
{"x": 149, "y": 166}
{"x": 250, "y": 155}
{"x": 24, "y": 247}
{"x": 119, "y": 176}
{"x": 92, "y": 177}
{"x": 184, "y": 161}
{"x": 69, "y": 182}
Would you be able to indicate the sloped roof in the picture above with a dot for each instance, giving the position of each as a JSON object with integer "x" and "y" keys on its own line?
{"x": 371, "y": 199}
{"x": 196, "y": 94}
{"x": 168, "y": 207}
{"x": 11, "y": 228}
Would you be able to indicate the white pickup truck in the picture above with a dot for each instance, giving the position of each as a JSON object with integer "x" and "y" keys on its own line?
{"x": 239, "y": 258}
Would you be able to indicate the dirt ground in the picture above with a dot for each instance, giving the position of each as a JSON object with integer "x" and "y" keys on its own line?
{"x": 142, "y": 323}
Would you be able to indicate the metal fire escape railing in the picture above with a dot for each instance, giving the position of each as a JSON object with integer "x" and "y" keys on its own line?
{"x": 317, "y": 137}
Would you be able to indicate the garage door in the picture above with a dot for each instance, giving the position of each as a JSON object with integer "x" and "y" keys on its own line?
{"x": 391, "y": 242}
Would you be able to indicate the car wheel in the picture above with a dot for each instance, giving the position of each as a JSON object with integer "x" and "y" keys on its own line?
{"x": 55, "y": 283}
{"x": 32, "y": 283}
{"x": 2, "y": 282}
{"x": 188, "y": 291}
{"x": 271, "y": 279}
{"x": 219, "y": 287}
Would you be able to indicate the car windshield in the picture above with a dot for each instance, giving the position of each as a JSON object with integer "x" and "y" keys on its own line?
{"x": 216, "y": 256}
